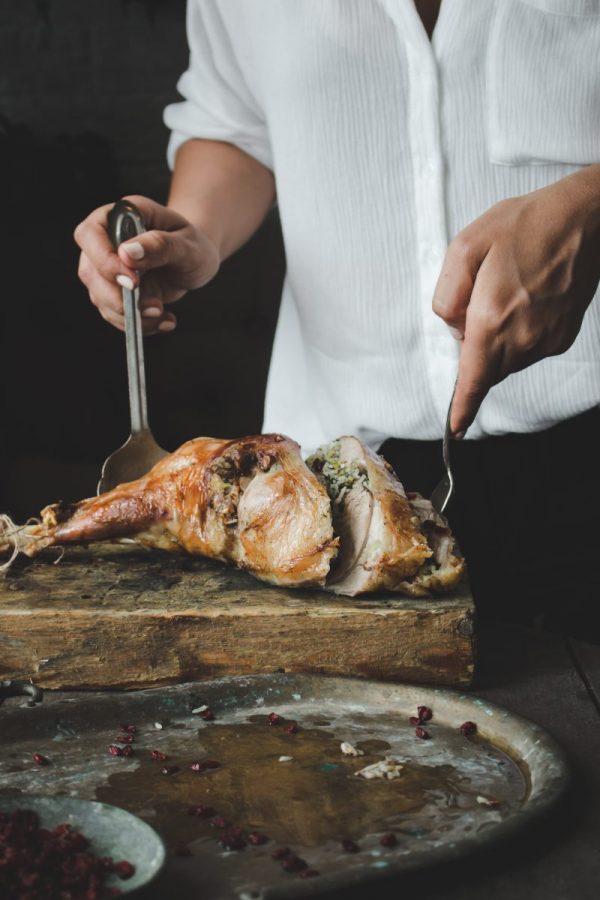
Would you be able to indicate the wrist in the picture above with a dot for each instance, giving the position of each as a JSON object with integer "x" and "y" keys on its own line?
{"x": 208, "y": 251}
{"x": 582, "y": 189}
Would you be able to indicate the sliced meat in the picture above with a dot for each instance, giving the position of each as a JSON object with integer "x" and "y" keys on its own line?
{"x": 387, "y": 541}
{"x": 446, "y": 566}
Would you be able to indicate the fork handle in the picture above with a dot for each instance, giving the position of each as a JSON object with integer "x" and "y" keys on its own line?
{"x": 124, "y": 222}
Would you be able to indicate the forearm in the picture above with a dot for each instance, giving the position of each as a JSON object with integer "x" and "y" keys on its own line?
{"x": 222, "y": 191}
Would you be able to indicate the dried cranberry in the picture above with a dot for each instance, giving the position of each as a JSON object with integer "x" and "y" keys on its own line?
{"x": 48, "y": 863}
{"x": 388, "y": 840}
{"x": 40, "y": 759}
{"x": 468, "y": 728}
{"x": 158, "y": 756}
{"x": 207, "y": 714}
{"x": 256, "y": 838}
{"x": 421, "y": 733}
{"x": 125, "y": 739}
{"x": 219, "y": 822}
{"x": 280, "y": 853}
{"x": 349, "y": 846}
{"x": 169, "y": 770}
{"x": 317, "y": 465}
{"x": 127, "y": 750}
{"x": 75, "y": 840}
{"x": 204, "y": 812}
{"x": 292, "y": 729}
{"x": 124, "y": 869}
{"x": 274, "y": 718}
{"x": 424, "y": 714}
{"x": 129, "y": 728}
{"x": 292, "y": 863}
{"x": 309, "y": 873}
{"x": 114, "y": 750}
{"x": 232, "y": 839}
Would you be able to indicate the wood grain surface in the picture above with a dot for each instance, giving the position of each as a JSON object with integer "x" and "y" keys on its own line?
{"x": 118, "y": 616}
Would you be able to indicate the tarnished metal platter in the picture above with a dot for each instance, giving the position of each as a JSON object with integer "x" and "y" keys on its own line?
{"x": 453, "y": 794}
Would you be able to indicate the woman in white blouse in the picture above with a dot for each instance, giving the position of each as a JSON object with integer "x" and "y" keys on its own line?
{"x": 439, "y": 195}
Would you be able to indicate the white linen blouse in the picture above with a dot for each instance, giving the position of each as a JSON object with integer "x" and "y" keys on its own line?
{"x": 384, "y": 145}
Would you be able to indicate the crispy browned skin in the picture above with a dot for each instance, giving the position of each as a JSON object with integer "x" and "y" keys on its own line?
{"x": 250, "y": 501}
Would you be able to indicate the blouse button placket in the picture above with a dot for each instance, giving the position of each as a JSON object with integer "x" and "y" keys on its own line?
{"x": 441, "y": 350}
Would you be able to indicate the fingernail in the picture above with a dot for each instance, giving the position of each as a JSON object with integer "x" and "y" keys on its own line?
{"x": 134, "y": 250}
{"x": 125, "y": 281}
{"x": 459, "y": 435}
{"x": 455, "y": 333}
{"x": 151, "y": 312}
{"x": 167, "y": 325}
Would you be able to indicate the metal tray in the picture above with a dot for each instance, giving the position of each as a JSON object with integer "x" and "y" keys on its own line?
{"x": 311, "y": 802}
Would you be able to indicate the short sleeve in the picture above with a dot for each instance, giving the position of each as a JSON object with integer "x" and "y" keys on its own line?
{"x": 218, "y": 103}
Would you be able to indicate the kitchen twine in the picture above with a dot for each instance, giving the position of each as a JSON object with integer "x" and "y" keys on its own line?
{"x": 18, "y": 539}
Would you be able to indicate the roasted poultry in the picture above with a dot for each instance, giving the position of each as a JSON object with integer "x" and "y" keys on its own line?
{"x": 342, "y": 522}
{"x": 389, "y": 540}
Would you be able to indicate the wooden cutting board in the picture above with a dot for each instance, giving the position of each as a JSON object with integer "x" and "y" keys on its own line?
{"x": 119, "y": 616}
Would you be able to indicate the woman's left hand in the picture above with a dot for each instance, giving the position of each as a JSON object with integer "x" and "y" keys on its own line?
{"x": 515, "y": 284}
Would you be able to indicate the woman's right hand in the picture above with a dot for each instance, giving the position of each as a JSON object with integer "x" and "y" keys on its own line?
{"x": 169, "y": 259}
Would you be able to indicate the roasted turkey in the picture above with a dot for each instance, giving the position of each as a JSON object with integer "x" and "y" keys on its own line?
{"x": 342, "y": 522}
{"x": 389, "y": 540}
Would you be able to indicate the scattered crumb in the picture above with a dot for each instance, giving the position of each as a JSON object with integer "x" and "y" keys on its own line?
{"x": 385, "y": 768}
{"x": 159, "y": 726}
{"x": 285, "y": 758}
{"x": 349, "y": 749}
{"x": 489, "y": 802}
{"x": 199, "y": 710}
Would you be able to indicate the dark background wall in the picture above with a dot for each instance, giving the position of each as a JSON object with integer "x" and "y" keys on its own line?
{"x": 82, "y": 89}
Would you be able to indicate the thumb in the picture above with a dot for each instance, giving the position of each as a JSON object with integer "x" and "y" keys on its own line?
{"x": 156, "y": 246}
{"x": 156, "y": 215}
{"x": 155, "y": 249}
{"x": 455, "y": 284}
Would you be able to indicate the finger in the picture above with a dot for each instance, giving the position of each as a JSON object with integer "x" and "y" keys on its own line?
{"x": 456, "y": 281}
{"x": 153, "y": 292}
{"x": 167, "y": 324}
{"x": 110, "y": 296}
{"x": 104, "y": 294}
{"x": 91, "y": 236}
{"x": 110, "y": 316}
{"x": 479, "y": 364}
{"x": 164, "y": 325}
